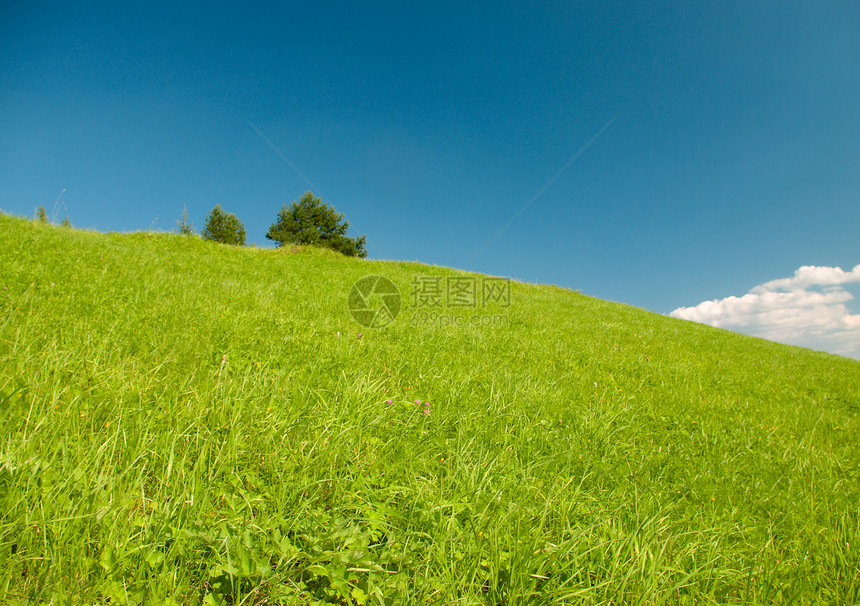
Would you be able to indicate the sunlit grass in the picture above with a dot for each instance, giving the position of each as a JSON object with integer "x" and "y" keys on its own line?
{"x": 190, "y": 423}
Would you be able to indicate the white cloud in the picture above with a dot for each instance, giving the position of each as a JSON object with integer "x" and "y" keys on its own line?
{"x": 807, "y": 309}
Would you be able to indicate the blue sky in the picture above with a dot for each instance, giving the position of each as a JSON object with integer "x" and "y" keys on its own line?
{"x": 728, "y": 152}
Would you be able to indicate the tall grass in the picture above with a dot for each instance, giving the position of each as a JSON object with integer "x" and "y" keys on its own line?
{"x": 188, "y": 423}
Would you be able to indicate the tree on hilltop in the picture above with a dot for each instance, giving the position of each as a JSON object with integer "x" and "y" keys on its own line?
{"x": 183, "y": 225}
{"x": 312, "y": 221}
{"x": 223, "y": 227}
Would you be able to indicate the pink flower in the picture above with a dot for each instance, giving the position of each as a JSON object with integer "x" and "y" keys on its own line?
{"x": 418, "y": 402}
{"x": 426, "y": 411}
{"x": 389, "y": 402}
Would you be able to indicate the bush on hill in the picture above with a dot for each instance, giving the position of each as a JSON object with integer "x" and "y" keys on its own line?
{"x": 223, "y": 227}
{"x": 183, "y": 225}
{"x": 312, "y": 221}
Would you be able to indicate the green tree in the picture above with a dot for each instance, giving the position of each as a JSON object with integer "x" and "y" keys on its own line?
{"x": 41, "y": 215}
{"x": 223, "y": 227}
{"x": 183, "y": 225}
{"x": 312, "y": 221}
{"x": 65, "y": 222}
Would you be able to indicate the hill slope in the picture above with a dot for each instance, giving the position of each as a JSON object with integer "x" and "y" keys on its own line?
{"x": 192, "y": 422}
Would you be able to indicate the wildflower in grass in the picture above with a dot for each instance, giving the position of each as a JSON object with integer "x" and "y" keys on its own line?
{"x": 389, "y": 402}
{"x": 359, "y": 335}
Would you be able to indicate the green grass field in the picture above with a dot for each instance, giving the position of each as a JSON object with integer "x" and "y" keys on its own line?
{"x": 190, "y": 423}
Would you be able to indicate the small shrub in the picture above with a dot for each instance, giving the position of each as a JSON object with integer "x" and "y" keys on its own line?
{"x": 312, "y": 221}
{"x": 223, "y": 227}
{"x": 183, "y": 225}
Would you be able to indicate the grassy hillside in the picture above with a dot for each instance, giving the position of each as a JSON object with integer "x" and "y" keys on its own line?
{"x": 184, "y": 422}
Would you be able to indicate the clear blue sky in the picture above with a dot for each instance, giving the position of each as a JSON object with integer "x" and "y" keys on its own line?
{"x": 731, "y": 155}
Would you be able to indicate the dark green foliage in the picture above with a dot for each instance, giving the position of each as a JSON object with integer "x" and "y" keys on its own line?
{"x": 223, "y": 227}
{"x": 312, "y": 221}
{"x": 41, "y": 215}
{"x": 183, "y": 225}
{"x": 65, "y": 222}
